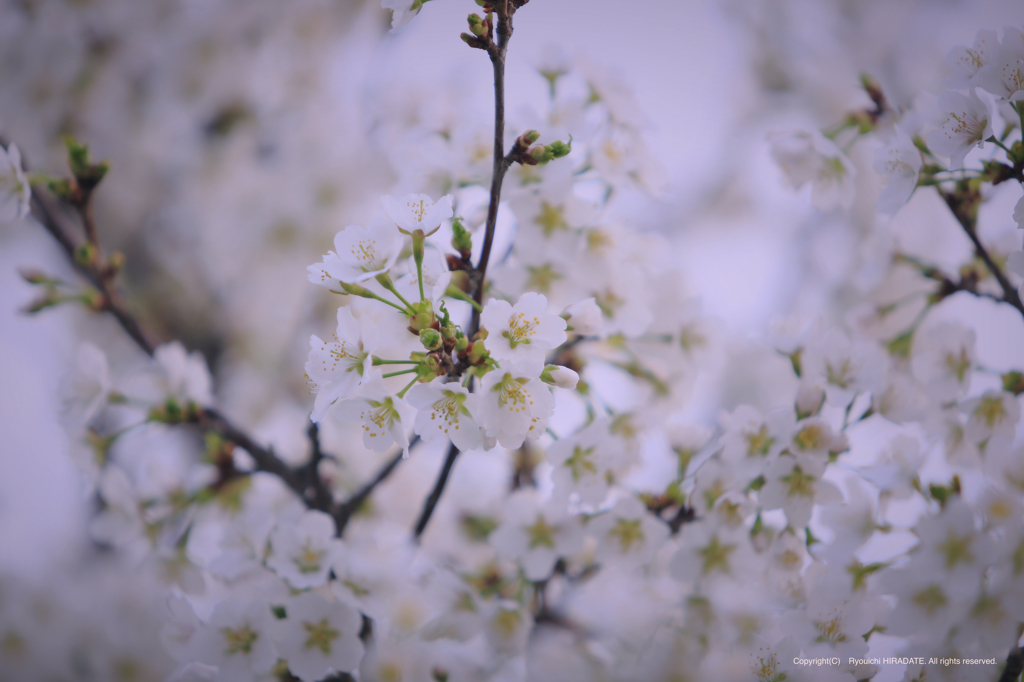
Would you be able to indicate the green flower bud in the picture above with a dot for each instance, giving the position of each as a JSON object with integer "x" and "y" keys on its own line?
{"x": 462, "y": 240}
{"x": 448, "y": 332}
{"x": 528, "y": 138}
{"x": 558, "y": 149}
{"x": 461, "y": 343}
{"x": 423, "y": 317}
{"x": 431, "y": 339}
{"x": 85, "y": 255}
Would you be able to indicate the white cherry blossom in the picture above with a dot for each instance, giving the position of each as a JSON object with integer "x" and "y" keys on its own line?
{"x": 378, "y": 413}
{"x": 418, "y": 211}
{"x": 900, "y": 162}
{"x": 514, "y": 403}
{"x": 319, "y": 637}
{"x": 808, "y": 156}
{"x": 237, "y": 638}
{"x": 445, "y": 411}
{"x": 360, "y": 254}
{"x": 335, "y": 368}
{"x": 15, "y": 191}
{"x": 968, "y": 123}
{"x": 1003, "y": 75}
{"x": 525, "y": 331}
{"x": 183, "y": 376}
{"x": 301, "y": 552}
{"x": 966, "y": 61}
{"x": 536, "y": 534}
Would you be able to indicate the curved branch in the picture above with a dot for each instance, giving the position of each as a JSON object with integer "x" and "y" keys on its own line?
{"x": 435, "y": 494}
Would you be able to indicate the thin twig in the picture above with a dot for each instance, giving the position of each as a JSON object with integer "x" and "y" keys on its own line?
{"x": 46, "y": 213}
{"x": 964, "y": 209}
{"x": 343, "y": 513}
{"x": 316, "y": 494}
{"x": 435, "y": 494}
{"x": 496, "y": 51}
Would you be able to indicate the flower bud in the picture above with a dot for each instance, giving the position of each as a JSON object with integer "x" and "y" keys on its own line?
{"x": 558, "y": 149}
{"x": 448, "y": 332}
{"x": 562, "y": 377}
{"x": 423, "y": 317}
{"x": 536, "y": 154}
{"x": 431, "y": 339}
{"x": 461, "y": 343}
{"x": 462, "y": 240}
{"x": 85, "y": 255}
{"x": 528, "y": 138}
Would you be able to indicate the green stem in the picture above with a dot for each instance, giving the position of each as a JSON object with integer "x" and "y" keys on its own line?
{"x": 386, "y": 282}
{"x": 395, "y": 374}
{"x": 419, "y": 277}
{"x": 994, "y": 140}
{"x": 381, "y": 361}
{"x": 370, "y": 294}
{"x": 401, "y": 394}
{"x": 459, "y": 294}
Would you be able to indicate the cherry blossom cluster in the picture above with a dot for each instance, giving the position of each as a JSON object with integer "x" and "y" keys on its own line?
{"x": 594, "y": 525}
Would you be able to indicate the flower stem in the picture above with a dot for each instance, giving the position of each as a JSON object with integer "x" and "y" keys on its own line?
{"x": 386, "y": 282}
{"x": 395, "y": 374}
{"x": 401, "y": 394}
{"x": 381, "y": 361}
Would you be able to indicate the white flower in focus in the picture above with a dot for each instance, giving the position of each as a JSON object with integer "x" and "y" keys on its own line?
{"x": 445, "y": 411}
{"x": 378, "y": 414}
{"x": 514, "y": 403}
{"x": 900, "y": 162}
{"x": 534, "y": 534}
{"x": 335, "y": 368}
{"x": 302, "y": 552}
{"x": 361, "y": 254}
{"x": 524, "y": 331}
{"x": 184, "y": 377}
{"x": 319, "y": 637}
{"x": 968, "y": 123}
{"x": 966, "y": 61}
{"x": 15, "y": 192}
{"x": 418, "y": 211}
{"x": 807, "y": 156}
{"x": 237, "y": 639}
{"x": 585, "y": 317}
{"x": 1003, "y": 76}
{"x": 88, "y": 389}
{"x": 402, "y": 12}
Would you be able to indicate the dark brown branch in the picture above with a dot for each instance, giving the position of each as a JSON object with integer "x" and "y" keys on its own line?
{"x": 497, "y": 52}
{"x": 435, "y": 494}
{"x": 316, "y": 494}
{"x": 683, "y": 516}
{"x": 343, "y": 513}
{"x": 963, "y": 203}
{"x": 47, "y": 214}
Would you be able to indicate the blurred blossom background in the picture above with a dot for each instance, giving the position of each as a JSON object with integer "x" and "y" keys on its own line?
{"x": 243, "y": 134}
